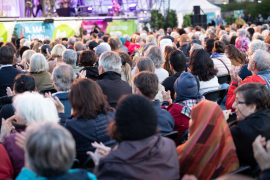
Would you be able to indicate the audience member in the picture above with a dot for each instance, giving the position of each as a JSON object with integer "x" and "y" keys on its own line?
{"x": 71, "y": 42}
{"x": 57, "y": 53}
{"x": 209, "y": 45}
{"x": 183, "y": 42}
{"x": 87, "y": 61}
{"x": 166, "y": 64}
{"x": 70, "y": 57}
{"x": 235, "y": 55}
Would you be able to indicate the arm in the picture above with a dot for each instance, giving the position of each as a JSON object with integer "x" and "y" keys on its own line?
{"x": 63, "y": 118}
{"x": 230, "y": 95}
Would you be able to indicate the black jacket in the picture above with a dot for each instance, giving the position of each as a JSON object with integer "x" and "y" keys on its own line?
{"x": 184, "y": 50}
{"x": 7, "y": 76}
{"x": 113, "y": 87}
{"x": 91, "y": 73}
{"x": 168, "y": 83}
{"x": 88, "y": 131}
{"x": 244, "y": 133}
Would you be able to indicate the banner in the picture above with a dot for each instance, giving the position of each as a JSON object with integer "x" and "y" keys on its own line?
{"x": 88, "y": 25}
{"x": 210, "y": 16}
{"x": 3, "y": 33}
{"x": 126, "y": 27}
{"x": 34, "y": 30}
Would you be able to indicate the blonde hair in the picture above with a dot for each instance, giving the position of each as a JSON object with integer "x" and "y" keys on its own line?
{"x": 27, "y": 55}
{"x": 151, "y": 39}
{"x": 36, "y": 47}
{"x": 58, "y": 50}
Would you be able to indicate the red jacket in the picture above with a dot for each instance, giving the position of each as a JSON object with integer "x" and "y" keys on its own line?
{"x": 6, "y": 169}
{"x": 132, "y": 47}
{"x": 231, "y": 96}
{"x": 127, "y": 44}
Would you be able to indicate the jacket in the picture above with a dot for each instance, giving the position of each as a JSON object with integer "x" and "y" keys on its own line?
{"x": 132, "y": 47}
{"x": 161, "y": 74}
{"x": 244, "y": 133}
{"x": 6, "y": 169}
{"x": 222, "y": 70}
{"x": 254, "y": 78}
{"x": 72, "y": 174}
{"x": 76, "y": 68}
{"x": 43, "y": 80}
{"x": 165, "y": 119}
{"x": 265, "y": 175}
{"x": 184, "y": 50}
{"x": 88, "y": 131}
{"x": 244, "y": 72}
{"x": 6, "y": 112}
{"x": 152, "y": 158}
{"x": 113, "y": 87}
{"x": 91, "y": 73}
{"x": 7, "y": 75}
{"x": 168, "y": 83}
{"x": 210, "y": 85}
{"x": 63, "y": 97}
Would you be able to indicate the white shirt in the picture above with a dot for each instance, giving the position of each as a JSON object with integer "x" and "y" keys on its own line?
{"x": 210, "y": 85}
{"x": 161, "y": 74}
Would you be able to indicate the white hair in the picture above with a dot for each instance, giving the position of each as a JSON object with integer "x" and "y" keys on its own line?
{"x": 33, "y": 107}
{"x": 106, "y": 45}
{"x": 22, "y": 41}
{"x": 257, "y": 36}
{"x": 174, "y": 33}
{"x": 118, "y": 33}
{"x": 225, "y": 38}
{"x": 232, "y": 33}
{"x": 194, "y": 36}
{"x": 261, "y": 59}
{"x": 38, "y": 63}
{"x": 187, "y": 30}
{"x": 69, "y": 56}
{"x": 241, "y": 32}
{"x": 155, "y": 54}
{"x": 222, "y": 32}
{"x": 208, "y": 31}
{"x": 255, "y": 45}
{"x": 265, "y": 33}
{"x": 63, "y": 77}
{"x": 27, "y": 43}
{"x": 110, "y": 61}
{"x": 127, "y": 37}
{"x": 71, "y": 41}
{"x": 164, "y": 42}
{"x": 47, "y": 38}
{"x": 144, "y": 36}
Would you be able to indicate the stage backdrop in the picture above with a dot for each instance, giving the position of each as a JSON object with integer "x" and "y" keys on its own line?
{"x": 40, "y": 30}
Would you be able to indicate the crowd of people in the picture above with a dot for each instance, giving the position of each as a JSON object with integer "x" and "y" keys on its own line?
{"x": 104, "y": 107}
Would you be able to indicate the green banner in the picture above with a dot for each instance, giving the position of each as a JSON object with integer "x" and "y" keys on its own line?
{"x": 3, "y": 33}
{"x": 126, "y": 27}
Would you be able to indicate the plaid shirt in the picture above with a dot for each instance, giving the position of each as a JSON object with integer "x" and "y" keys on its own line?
{"x": 188, "y": 105}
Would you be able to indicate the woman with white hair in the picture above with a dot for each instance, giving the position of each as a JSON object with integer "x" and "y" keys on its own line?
{"x": 27, "y": 55}
{"x": 57, "y": 53}
{"x": 152, "y": 39}
{"x": 39, "y": 71}
{"x": 50, "y": 153}
{"x": 29, "y": 108}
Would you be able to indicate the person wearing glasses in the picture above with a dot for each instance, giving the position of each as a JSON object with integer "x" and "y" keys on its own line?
{"x": 253, "y": 119}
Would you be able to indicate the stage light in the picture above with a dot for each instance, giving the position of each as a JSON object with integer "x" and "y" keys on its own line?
{"x": 110, "y": 8}
{"x": 90, "y": 9}
{"x": 224, "y": 2}
{"x": 259, "y": 1}
{"x": 132, "y": 7}
{"x": 145, "y": 12}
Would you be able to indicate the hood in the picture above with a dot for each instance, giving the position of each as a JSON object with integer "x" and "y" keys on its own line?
{"x": 137, "y": 151}
{"x": 90, "y": 71}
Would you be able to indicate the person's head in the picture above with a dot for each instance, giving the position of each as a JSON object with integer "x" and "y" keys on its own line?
{"x": 250, "y": 98}
{"x": 209, "y": 45}
{"x": 87, "y": 58}
{"x": 249, "y": 15}
{"x": 113, "y": 43}
{"x": 34, "y": 107}
{"x": 58, "y": 50}
{"x": 103, "y": 47}
{"x": 63, "y": 76}
{"x": 71, "y": 41}
{"x": 37, "y": 46}
{"x": 152, "y": 39}
{"x": 27, "y": 55}
{"x": 225, "y": 38}
{"x": 140, "y": 41}
{"x": 80, "y": 92}
{"x": 239, "y": 16}
{"x": 259, "y": 61}
{"x": 22, "y": 41}
{"x": 194, "y": 37}
{"x": 241, "y": 32}
{"x": 49, "y": 149}
{"x": 233, "y": 53}
{"x": 255, "y": 45}
{"x": 194, "y": 46}
{"x": 166, "y": 52}
{"x": 53, "y": 43}
{"x": 11, "y": 46}
{"x": 110, "y": 61}
{"x": 47, "y": 41}
{"x": 70, "y": 57}
{"x": 23, "y": 83}
{"x": 38, "y": 63}
{"x": 92, "y": 45}
{"x": 219, "y": 47}
{"x": 135, "y": 119}
{"x": 212, "y": 35}
{"x": 242, "y": 43}
{"x": 6, "y": 55}
{"x": 233, "y": 39}
{"x": 184, "y": 39}
{"x": 78, "y": 46}
{"x": 155, "y": 54}
{"x": 127, "y": 37}
{"x": 144, "y": 64}
{"x": 177, "y": 61}
{"x": 202, "y": 65}
{"x": 259, "y": 15}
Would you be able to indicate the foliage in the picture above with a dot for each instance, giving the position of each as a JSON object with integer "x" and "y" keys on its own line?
{"x": 157, "y": 20}
{"x": 14, "y": 34}
{"x": 230, "y": 20}
{"x": 187, "y": 21}
{"x": 171, "y": 19}
{"x": 145, "y": 27}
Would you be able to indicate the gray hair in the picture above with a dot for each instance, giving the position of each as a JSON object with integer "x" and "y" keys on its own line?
{"x": 241, "y": 32}
{"x": 225, "y": 38}
{"x": 127, "y": 37}
{"x": 110, "y": 61}
{"x": 255, "y": 45}
{"x": 261, "y": 59}
{"x": 257, "y": 36}
{"x": 70, "y": 57}
{"x": 38, "y": 63}
{"x": 232, "y": 33}
{"x": 50, "y": 149}
{"x": 209, "y": 31}
{"x": 195, "y": 46}
{"x": 22, "y": 41}
{"x": 71, "y": 41}
{"x": 222, "y": 32}
{"x": 47, "y": 38}
{"x": 155, "y": 54}
{"x": 63, "y": 76}
{"x": 194, "y": 36}
{"x": 78, "y": 46}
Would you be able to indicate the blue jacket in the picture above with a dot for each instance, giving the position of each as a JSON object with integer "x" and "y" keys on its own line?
{"x": 165, "y": 119}
{"x": 63, "y": 97}
{"x": 72, "y": 174}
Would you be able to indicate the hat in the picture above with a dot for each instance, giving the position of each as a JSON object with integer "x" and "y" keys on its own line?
{"x": 136, "y": 118}
{"x": 44, "y": 47}
{"x": 100, "y": 35}
{"x": 186, "y": 85}
{"x": 184, "y": 38}
{"x": 164, "y": 42}
{"x": 122, "y": 40}
{"x": 92, "y": 45}
{"x": 102, "y": 48}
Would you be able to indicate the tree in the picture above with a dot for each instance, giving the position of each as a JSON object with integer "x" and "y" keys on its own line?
{"x": 157, "y": 20}
{"x": 171, "y": 19}
{"x": 187, "y": 21}
{"x": 14, "y": 34}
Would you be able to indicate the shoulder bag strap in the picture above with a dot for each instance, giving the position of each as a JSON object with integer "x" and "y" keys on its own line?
{"x": 266, "y": 81}
{"x": 224, "y": 65}
{"x": 42, "y": 79}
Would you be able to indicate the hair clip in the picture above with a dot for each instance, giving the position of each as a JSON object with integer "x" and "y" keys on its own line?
{"x": 22, "y": 82}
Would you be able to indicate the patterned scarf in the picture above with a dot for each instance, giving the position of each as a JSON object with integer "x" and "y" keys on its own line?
{"x": 242, "y": 43}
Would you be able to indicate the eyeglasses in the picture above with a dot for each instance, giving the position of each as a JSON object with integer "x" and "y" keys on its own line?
{"x": 239, "y": 102}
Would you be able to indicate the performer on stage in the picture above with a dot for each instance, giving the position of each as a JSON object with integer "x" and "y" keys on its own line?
{"x": 28, "y": 3}
{"x": 95, "y": 29}
{"x": 41, "y": 6}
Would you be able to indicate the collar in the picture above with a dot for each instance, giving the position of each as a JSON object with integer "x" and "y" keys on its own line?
{"x": 263, "y": 72}
{"x": 156, "y": 104}
{"x": 215, "y": 55}
{"x": 6, "y": 65}
{"x": 59, "y": 92}
{"x": 110, "y": 75}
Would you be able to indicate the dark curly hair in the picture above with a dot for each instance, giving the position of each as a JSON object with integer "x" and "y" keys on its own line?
{"x": 209, "y": 45}
{"x": 87, "y": 58}
{"x": 23, "y": 83}
{"x": 219, "y": 47}
{"x": 235, "y": 53}
{"x": 202, "y": 65}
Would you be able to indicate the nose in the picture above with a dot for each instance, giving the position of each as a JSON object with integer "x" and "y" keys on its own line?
{"x": 234, "y": 105}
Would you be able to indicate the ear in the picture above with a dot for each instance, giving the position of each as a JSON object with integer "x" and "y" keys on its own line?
{"x": 137, "y": 91}
{"x": 171, "y": 67}
{"x": 253, "y": 108}
{"x": 100, "y": 69}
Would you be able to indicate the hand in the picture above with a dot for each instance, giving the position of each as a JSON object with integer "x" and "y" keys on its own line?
{"x": 48, "y": 53}
{"x": 25, "y": 64}
{"x": 19, "y": 68}
{"x": 6, "y": 127}
{"x": 10, "y": 92}
{"x": 227, "y": 113}
{"x": 261, "y": 154}
{"x": 234, "y": 75}
{"x": 82, "y": 74}
{"x": 136, "y": 50}
{"x": 59, "y": 106}
{"x": 55, "y": 61}
{"x": 100, "y": 152}
{"x": 166, "y": 96}
{"x": 189, "y": 177}
{"x": 20, "y": 139}
{"x": 188, "y": 70}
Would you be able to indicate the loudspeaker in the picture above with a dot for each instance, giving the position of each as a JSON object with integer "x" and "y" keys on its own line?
{"x": 199, "y": 20}
{"x": 49, "y": 21}
{"x": 108, "y": 20}
{"x": 197, "y": 10}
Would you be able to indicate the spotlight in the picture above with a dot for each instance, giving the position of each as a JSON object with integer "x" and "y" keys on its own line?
{"x": 110, "y": 8}
{"x": 132, "y": 7}
{"x": 90, "y": 9}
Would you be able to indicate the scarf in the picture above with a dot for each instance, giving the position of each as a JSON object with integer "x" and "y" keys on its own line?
{"x": 242, "y": 43}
